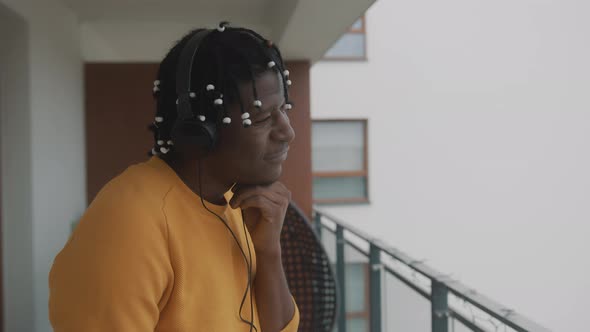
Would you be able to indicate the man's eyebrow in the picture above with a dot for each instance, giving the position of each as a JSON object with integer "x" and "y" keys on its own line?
{"x": 267, "y": 109}
{"x": 260, "y": 111}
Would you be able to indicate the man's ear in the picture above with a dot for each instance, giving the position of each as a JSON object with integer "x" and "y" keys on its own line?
{"x": 190, "y": 151}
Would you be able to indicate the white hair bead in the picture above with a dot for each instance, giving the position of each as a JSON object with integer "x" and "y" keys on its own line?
{"x": 202, "y": 118}
{"x": 227, "y": 120}
{"x": 218, "y": 101}
{"x": 170, "y": 143}
{"x": 247, "y": 122}
{"x": 210, "y": 87}
{"x": 156, "y": 82}
{"x": 164, "y": 150}
{"x": 257, "y": 103}
{"x": 221, "y": 28}
{"x": 192, "y": 95}
{"x": 159, "y": 119}
{"x": 156, "y": 89}
{"x": 271, "y": 64}
{"x": 289, "y": 82}
{"x": 245, "y": 116}
{"x": 154, "y": 152}
{"x": 176, "y": 101}
{"x": 288, "y": 106}
{"x": 160, "y": 142}
{"x": 286, "y": 72}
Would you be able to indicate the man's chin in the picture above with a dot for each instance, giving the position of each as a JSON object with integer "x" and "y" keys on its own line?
{"x": 265, "y": 178}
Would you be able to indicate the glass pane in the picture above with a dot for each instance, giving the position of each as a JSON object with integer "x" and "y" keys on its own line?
{"x": 356, "y": 286}
{"x": 339, "y": 187}
{"x": 358, "y": 24}
{"x": 357, "y": 325}
{"x": 350, "y": 45}
{"x": 356, "y": 280}
{"x": 457, "y": 326}
{"x": 329, "y": 242}
{"x": 406, "y": 309}
{"x": 338, "y": 146}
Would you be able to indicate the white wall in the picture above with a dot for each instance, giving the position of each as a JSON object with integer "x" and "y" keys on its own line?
{"x": 15, "y": 157}
{"x": 56, "y": 139}
{"x": 479, "y": 130}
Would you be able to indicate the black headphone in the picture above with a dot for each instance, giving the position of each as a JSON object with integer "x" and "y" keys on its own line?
{"x": 188, "y": 129}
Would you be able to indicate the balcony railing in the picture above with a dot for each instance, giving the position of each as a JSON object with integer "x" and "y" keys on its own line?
{"x": 364, "y": 305}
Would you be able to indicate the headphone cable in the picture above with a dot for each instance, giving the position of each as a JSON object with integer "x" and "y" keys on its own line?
{"x": 248, "y": 265}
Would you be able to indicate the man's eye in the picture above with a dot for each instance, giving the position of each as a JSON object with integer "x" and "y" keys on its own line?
{"x": 263, "y": 120}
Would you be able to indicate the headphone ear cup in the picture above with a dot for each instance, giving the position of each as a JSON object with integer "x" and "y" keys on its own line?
{"x": 195, "y": 133}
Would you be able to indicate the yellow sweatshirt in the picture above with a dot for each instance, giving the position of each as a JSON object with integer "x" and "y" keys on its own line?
{"x": 146, "y": 256}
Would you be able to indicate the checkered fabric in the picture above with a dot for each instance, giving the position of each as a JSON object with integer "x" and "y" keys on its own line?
{"x": 309, "y": 274}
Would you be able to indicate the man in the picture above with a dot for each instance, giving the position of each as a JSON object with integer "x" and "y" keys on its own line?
{"x": 189, "y": 240}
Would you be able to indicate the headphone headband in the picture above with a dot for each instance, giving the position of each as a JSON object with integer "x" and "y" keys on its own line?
{"x": 188, "y": 129}
{"x": 184, "y": 73}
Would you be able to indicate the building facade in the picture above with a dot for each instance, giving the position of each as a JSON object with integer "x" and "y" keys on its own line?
{"x": 478, "y": 132}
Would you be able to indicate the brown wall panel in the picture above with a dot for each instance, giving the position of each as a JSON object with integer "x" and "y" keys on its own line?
{"x": 119, "y": 108}
{"x": 297, "y": 168}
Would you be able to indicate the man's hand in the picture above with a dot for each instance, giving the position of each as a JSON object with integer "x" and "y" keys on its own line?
{"x": 264, "y": 209}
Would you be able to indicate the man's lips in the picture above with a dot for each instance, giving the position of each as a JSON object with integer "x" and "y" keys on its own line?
{"x": 277, "y": 155}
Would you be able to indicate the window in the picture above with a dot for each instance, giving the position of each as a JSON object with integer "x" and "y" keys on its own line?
{"x": 351, "y": 45}
{"x": 339, "y": 161}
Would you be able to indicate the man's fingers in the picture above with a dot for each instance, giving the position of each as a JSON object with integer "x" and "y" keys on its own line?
{"x": 274, "y": 194}
{"x": 240, "y": 195}
{"x": 257, "y": 202}
{"x": 270, "y": 196}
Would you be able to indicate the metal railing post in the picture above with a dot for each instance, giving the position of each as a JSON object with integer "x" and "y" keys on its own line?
{"x": 340, "y": 272}
{"x": 318, "y": 224}
{"x": 375, "y": 287}
{"x": 440, "y": 307}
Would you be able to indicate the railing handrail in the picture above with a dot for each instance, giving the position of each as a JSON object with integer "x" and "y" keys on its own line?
{"x": 487, "y": 305}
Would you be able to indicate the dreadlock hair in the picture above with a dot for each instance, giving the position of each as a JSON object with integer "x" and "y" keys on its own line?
{"x": 226, "y": 58}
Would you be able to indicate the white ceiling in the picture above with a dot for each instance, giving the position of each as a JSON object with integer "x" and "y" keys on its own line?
{"x": 142, "y": 30}
{"x": 165, "y": 10}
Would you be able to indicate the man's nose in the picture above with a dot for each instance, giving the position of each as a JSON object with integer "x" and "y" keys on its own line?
{"x": 284, "y": 131}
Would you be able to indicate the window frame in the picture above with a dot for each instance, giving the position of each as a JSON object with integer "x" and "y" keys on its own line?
{"x": 351, "y": 30}
{"x": 361, "y": 173}
{"x": 363, "y": 28}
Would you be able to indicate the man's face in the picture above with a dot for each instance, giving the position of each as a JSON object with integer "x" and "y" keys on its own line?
{"x": 254, "y": 155}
